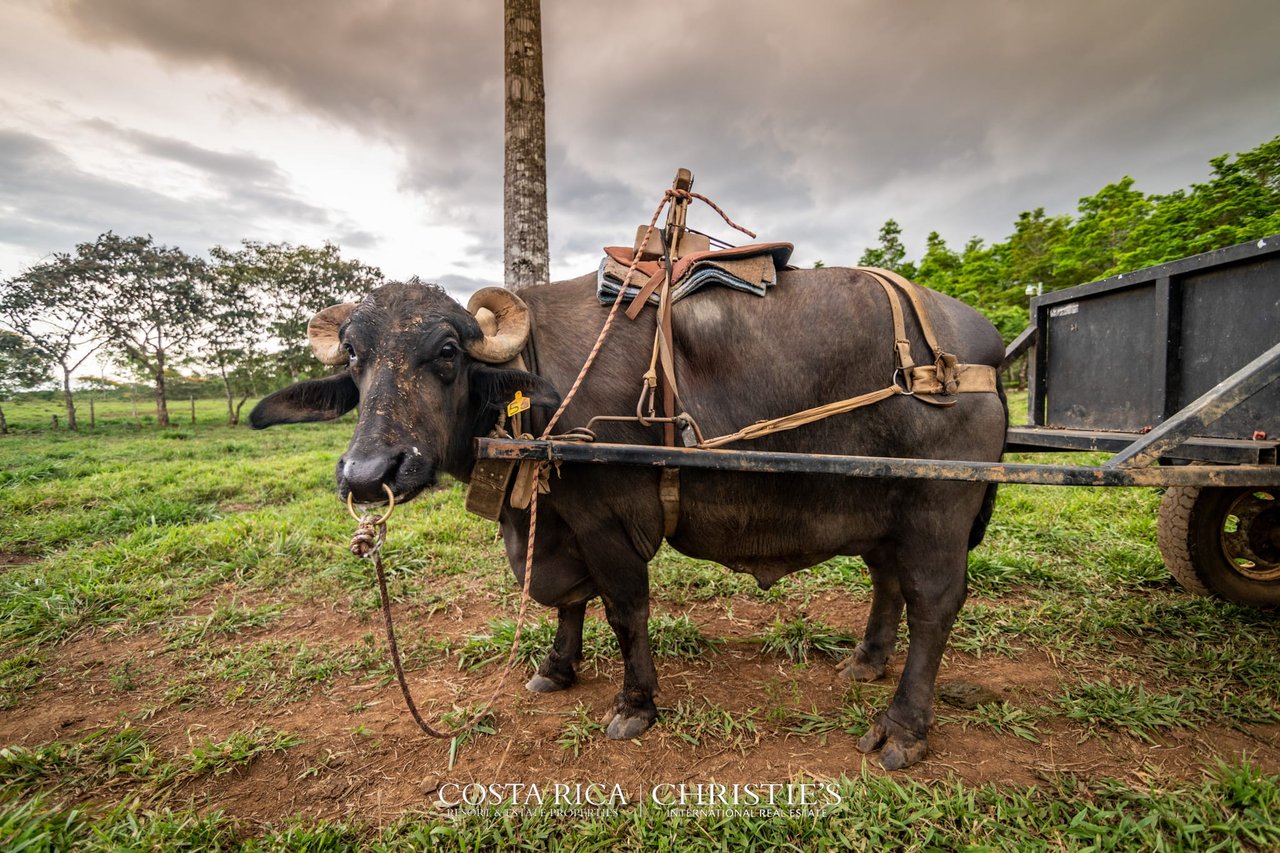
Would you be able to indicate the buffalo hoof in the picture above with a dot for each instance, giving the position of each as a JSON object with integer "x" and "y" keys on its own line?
{"x": 626, "y": 728}
{"x": 542, "y": 684}
{"x": 898, "y": 747}
{"x": 857, "y": 668}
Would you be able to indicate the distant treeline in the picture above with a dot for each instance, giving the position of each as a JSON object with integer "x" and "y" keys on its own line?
{"x": 1118, "y": 229}
{"x": 236, "y": 321}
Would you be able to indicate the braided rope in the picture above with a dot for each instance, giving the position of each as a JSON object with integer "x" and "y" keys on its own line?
{"x": 608, "y": 322}
{"x": 367, "y": 542}
{"x": 688, "y": 194}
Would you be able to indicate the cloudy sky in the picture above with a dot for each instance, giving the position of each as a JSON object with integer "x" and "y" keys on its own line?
{"x": 378, "y": 124}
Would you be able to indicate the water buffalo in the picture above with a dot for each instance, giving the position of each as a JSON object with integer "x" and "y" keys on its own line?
{"x": 429, "y": 381}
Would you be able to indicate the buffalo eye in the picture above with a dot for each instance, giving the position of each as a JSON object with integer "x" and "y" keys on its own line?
{"x": 350, "y": 350}
{"x": 449, "y": 350}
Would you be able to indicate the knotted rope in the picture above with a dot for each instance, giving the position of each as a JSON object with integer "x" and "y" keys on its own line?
{"x": 690, "y": 194}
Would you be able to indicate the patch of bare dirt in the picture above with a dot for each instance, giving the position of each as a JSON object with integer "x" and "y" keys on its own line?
{"x": 12, "y": 559}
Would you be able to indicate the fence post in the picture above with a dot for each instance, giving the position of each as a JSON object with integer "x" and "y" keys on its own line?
{"x": 193, "y": 409}
{"x": 55, "y": 422}
{"x": 93, "y": 421}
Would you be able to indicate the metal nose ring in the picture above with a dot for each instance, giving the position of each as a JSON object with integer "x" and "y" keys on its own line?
{"x": 382, "y": 519}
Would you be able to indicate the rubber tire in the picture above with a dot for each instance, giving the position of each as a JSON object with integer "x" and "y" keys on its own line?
{"x": 1188, "y": 536}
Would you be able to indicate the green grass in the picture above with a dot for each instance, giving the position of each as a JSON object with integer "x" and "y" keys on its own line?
{"x": 107, "y": 760}
{"x": 227, "y": 618}
{"x": 238, "y": 750}
{"x": 1104, "y": 706}
{"x": 852, "y": 719}
{"x": 580, "y": 731}
{"x": 679, "y": 637}
{"x": 90, "y": 764}
{"x": 494, "y": 646}
{"x": 682, "y": 580}
{"x": 669, "y": 637}
{"x": 1003, "y": 718}
{"x": 1235, "y": 808}
{"x": 798, "y": 638}
{"x": 277, "y": 671}
{"x": 696, "y": 723}
{"x": 18, "y": 673}
{"x": 485, "y": 725}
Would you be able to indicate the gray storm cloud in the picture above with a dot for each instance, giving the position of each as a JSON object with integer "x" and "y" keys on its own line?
{"x": 812, "y": 122}
{"x": 53, "y": 202}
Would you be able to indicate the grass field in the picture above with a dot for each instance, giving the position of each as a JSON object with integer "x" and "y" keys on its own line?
{"x": 189, "y": 657}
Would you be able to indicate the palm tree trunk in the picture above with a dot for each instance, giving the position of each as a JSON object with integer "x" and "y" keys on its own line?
{"x": 524, "y": 207}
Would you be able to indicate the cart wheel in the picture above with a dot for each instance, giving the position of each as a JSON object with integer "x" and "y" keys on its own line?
{"x": 1223, "y": 541}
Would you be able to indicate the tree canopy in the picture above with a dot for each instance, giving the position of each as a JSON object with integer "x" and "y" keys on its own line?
{"x": 1118, "y": 229}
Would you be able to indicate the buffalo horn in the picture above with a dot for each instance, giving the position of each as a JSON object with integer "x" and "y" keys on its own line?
{"x": 322, "y": 331}
{"x": 510, "y": 325}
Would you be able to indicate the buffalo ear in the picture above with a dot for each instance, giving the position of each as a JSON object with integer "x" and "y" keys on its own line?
{"x": 495, "y": 386}
{"x": 313, "y": 400}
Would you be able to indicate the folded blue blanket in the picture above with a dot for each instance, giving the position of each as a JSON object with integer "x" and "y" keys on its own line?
{"x": 608, "y": 283}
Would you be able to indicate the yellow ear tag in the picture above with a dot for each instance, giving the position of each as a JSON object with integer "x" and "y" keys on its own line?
{"x": 518, "y": 405}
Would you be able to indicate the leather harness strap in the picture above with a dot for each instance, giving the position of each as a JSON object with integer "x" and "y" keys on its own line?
{"x": 928, "y": 383}
{"x": 669, "y": 484}
{"x": 946, "y": 365}
{"x": 946, "y": 376}
{"x": 912, "y": 291}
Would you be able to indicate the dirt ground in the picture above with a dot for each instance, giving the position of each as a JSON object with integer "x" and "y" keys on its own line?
{"x": 362, "y": 754}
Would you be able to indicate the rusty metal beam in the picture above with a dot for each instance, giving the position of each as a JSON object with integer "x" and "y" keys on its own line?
{"x": 754, "y": 461}
{"x": 1220, "y": 451}
{"x": 1026, "y": 339}
{"x": 1212, "y": 405}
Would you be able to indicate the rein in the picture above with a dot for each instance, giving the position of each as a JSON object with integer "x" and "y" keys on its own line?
{"x": 367, "y": 542}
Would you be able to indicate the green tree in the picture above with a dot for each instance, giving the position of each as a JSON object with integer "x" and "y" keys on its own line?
{"x": 1240, "y": 202}
{"x": 1101, "y": 236}
{"x": 1032, "y": 246}
{"x": 234, "y": 329}
{"x": 150, "y": 304}
{"x": 52, "y": 305}
{"x": 1119, "y": 229}
{"x": 939, "y": 266}
{"x": 23, "y": 366}
{"x": 290, "y": 284}
{"x": 890, "y": 254}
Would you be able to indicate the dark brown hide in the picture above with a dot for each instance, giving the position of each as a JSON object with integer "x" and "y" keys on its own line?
{"x": 820, "y": 336}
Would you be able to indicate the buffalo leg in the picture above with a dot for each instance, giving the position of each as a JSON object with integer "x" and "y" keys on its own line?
{"x": 868, "y": 660}
{"x": 933, "y": 590}
{"x": 559, "y": 575}
{"x": 634, "y": 710}
{"x": 556, "y": 671}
